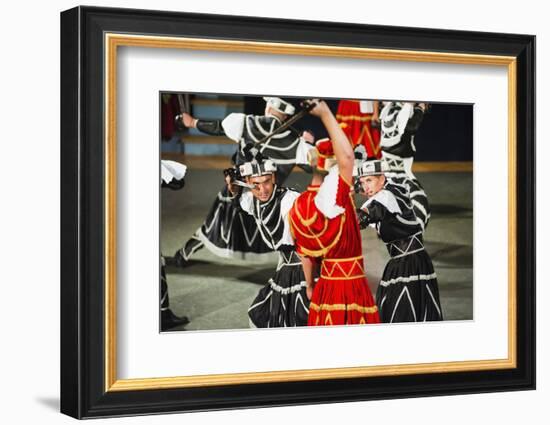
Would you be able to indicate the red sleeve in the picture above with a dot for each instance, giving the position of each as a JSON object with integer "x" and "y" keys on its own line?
{"x": 342, "y": 194}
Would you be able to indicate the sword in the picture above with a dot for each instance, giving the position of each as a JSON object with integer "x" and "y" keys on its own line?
{"x": 307, "y": 106}
{"x": 242, "y": 184}
{"x": 183, "y": 102}
{"x": 233, "y": 173}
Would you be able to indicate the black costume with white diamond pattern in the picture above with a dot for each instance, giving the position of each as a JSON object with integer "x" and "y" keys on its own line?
{"x": 398, "y": 148}
{"x": 408, "y": 290}
{"x": 417, "y": 195}
{"x": 398, "y": 128}
{"x": 226, "y": 231}
{"x": 282, "y": 301}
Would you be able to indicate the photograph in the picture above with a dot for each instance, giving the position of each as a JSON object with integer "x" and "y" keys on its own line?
{"x": 286, "y": 211}
{"x": 265, "y": 212}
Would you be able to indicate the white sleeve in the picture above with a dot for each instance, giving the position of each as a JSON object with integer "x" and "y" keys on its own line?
{"x": 325, "y": 200}
{"x": 233, "y": 126}
{"x": 302, "y": 152}
{"x": 286, "y": 204}
{"x": 385, "y": 198}
{"x": 171, "y": 169}
{"x": 246, "y": 201}
{"x": 403, "y": 117}
{"x": 366, "y": 106}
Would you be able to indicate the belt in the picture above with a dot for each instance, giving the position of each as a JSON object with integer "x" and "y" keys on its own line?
{"x": 342, "y": 268}
{"x": 407, "y": 246}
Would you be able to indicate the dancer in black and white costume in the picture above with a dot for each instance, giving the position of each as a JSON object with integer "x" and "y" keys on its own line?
{"x": 408, "y": 290}
{"x": 172, "y": 176}
{"x": 282, "y": 302}
{"x": 399, "y": 122}
{"x": 227, "y": 232}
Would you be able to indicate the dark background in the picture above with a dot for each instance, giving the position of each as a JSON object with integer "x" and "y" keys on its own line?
{"x": 446, "y": 133}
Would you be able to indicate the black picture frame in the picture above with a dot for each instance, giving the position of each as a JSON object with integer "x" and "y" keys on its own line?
{"x": 83, "y": 167}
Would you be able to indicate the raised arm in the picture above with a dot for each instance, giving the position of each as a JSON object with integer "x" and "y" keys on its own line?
{"x": 417, "y": 117}
{"x": 343, "y": 151}
{"x": 212, "y": 127}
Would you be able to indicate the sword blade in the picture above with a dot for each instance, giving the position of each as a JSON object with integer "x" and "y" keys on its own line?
{"x": 242, "y": 184}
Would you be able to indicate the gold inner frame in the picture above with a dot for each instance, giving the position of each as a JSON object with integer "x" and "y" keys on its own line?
{"x": 113, "y": 41}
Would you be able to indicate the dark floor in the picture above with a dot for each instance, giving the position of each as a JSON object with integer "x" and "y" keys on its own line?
{"x": 215, "y": 293}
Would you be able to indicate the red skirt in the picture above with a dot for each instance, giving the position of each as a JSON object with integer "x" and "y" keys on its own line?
{"x": 358, "y": 127}
{"x": 342, "y": 295}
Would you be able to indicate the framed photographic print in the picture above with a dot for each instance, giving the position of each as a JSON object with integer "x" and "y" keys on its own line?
{"x": 261, "y": 212}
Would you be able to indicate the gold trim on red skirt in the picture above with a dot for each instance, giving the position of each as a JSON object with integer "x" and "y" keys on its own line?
{"x": 342, "y": 268}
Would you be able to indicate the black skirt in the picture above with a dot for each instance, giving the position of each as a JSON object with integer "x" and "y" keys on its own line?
{"x": 408, "y": 291}
{"x": 228, "y": 231}
{"x": 282, "y": 302}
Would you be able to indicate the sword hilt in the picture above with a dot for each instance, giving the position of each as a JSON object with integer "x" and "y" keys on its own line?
{"x": 307, "y": 105}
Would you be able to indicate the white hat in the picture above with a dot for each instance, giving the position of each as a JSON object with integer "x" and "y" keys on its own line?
{"x": 257, "y": 169}
{"x": 280, "y": 105}
{"x": 374, "y": 167}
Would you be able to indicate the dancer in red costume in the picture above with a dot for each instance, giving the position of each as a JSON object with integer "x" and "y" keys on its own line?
{"x": 324, "y": 225}
{"x": 360, "y": 122}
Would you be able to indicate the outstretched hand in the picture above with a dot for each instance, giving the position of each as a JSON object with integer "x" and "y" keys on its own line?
{"x": 188, "y": 120}
{"x": 233, "y": 189}
{"x": 308, "y": 137}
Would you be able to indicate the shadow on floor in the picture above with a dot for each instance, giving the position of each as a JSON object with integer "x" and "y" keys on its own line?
{"x": 209, "y": 269}
{"x": 449, "y": 255}
{"x": 446, "y": 209}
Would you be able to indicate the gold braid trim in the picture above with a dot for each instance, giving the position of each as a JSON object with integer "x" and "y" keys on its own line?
{"x": 309, "y": 221}
{"x": 352, "y": 199}
{"x": 343, "y": 277}
{"x": 339, "y": 260}
{"x": 325, "y": 156}
{"x": 354, "y": 118}
{"x": 346, "y": 181}
{"x": 343, "y": 307}
{"x": 306, "y": 224}
{"x": 375, "y": 149}
{"x": 321, "y": 252}
{"x": 294, "y": 228}
{"x": 328, "y": 274}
